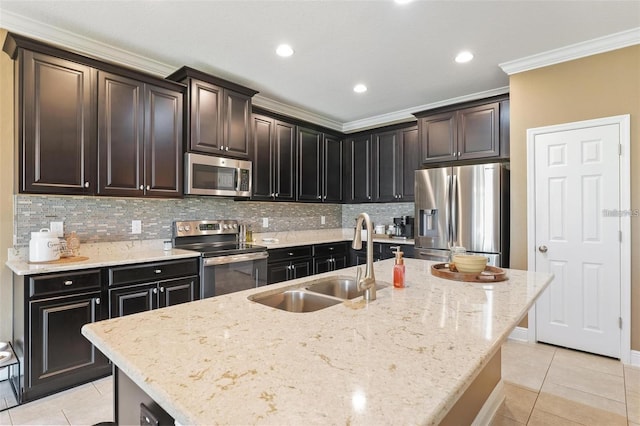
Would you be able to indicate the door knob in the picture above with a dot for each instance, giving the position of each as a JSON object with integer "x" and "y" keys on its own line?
{"x": 542, "y": 249}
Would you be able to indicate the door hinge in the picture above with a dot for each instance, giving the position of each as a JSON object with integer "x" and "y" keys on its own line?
{"x": 620, "y": 323}
{"x": 620, "y": 236}
{"x": 619, "y": 149}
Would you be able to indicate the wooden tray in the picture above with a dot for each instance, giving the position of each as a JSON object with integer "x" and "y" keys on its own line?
{"x": 490, "y": 274}
{"x": 62, "y": 260}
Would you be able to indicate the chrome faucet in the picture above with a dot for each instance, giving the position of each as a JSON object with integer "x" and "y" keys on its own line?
{"x": 368, "y": 283}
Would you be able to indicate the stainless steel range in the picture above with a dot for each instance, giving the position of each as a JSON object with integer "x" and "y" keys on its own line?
{"x": 227, "y": 264}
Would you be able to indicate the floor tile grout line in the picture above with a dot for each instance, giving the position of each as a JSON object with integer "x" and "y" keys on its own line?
{"x": 541, "y": 385}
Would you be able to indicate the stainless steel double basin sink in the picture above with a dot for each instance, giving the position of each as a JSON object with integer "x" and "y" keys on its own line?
{"x": 312, "y": 296}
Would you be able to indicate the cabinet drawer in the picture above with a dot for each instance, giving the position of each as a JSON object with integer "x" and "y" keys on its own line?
{"x": 67, "y": 282}
{"x": 330, "y": 249}
{"x": 289, "y": 253}
{"x": 152, "y": 271}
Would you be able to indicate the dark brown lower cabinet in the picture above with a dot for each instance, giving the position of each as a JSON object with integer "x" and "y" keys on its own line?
{"x": 49, "y": 312}
{"x": 145, "y": 297}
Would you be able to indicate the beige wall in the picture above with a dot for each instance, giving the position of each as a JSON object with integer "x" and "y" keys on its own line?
{"x": 601, "y": 85}
{"x": 6, "y": 187}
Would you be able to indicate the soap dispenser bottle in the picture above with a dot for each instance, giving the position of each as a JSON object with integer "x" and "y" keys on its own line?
{"x": 398, "y": 269}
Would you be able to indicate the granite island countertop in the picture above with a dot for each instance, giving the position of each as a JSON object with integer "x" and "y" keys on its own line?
{"x": 404, "y": 358}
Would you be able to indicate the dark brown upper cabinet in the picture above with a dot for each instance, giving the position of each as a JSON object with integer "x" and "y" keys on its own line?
{"x": 89, "y": 127}
{"x": 139, "y": 138}
{"x": 274, "y": 159}
{"x": 357, "y": 169}
{"x": 474, "y": 132}
{"x": 319, "y": 166}
{"x": 218, "y": 114}
{"x": 395, "y": 158}
{"x": 55, "y": 105}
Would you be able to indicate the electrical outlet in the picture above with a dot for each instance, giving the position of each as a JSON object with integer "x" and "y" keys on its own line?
{"x": 57, "y": 229}
{"x": 323, "y": 220}
{"x": 136, "y": 227}
{"x": 265, "y": 222}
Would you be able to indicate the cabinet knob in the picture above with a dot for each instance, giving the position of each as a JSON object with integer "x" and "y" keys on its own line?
{"x": 161, "y": 289}
{"x": 158, "y": 271}
{"x": 290, "y": 254}
{"x": 141, "y": 187}
{"x": 226, "y": 149}
{"x": 221, "y": 148}
{"x": 97, "y": 300}
{"x": 86, "y": 184}
{"x": 68, "y": 282}
{"x": 458, "y": 153}
{"x": 319, "y": 197}
{"x": 331, "y": 248}
{"x": 324, "y": 198}
{"x": 155, "y": 291}
{"x": 148, "y": 187}
{"x": 277, "y": 195}
{"x": 368, "y": 197}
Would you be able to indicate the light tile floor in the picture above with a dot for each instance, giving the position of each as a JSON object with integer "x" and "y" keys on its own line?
{"x": 544, "y": 385}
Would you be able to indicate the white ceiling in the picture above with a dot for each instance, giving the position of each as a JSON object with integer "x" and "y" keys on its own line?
{"x": 403, "y": 53}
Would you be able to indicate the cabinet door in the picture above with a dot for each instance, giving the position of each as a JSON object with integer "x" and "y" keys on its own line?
{"x": 178, "y": 291}
{"x": 410, "y": 159}
{"x": 322, "y": 264}
{"x": 332, "y": 170}
{"x": 386, "y": 163}
{"x": 284, "y": 161}
{"x": 58, "y": 350}
{"x": 120, "y": 135}
{"x": 359, "y": 169}
{"x": 278, "y": 272}
{"x": 478, "y": 132}
{"x": 237, "y": 124}
{"x": 438, "y": 135}
{"x": 309, "y": 165}
{"x": 132, "y": 299}
{"x": 262, "y": 171}
{"x": 339, "y": 262}
{"x": 206, "y": 110}
{"x": 163, "y": 142}
{"x": 301, "y": 268}
{"x": 57, "y": 132}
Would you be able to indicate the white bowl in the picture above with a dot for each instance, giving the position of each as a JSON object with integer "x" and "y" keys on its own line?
{"x": 3, "y": 346}
{"x": 468, "y": 263}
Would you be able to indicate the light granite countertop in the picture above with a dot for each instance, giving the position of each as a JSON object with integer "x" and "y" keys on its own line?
{"x": 318, "y": 236}
{"x": 404, "y": 358}
{"x": 101, "y": 255}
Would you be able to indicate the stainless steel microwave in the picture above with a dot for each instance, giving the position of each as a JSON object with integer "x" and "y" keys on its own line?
{"x": 211, "y": 175}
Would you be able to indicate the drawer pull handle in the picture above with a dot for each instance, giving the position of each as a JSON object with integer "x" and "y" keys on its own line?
{"x": 68, "y": 282}
{"x": 158, "y": 271}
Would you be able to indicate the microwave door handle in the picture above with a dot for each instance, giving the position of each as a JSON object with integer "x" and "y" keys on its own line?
{"x": 236, "y": 179}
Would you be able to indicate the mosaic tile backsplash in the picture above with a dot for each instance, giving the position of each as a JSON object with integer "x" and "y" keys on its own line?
{"x": 106, "y": 219}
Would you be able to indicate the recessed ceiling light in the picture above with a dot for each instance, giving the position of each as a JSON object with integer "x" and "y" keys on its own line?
{"x": 403, "y": 1}
{"x": 359, "y": 88}
{"x": 284, "y": 50}
{"x": 464, "y": 56}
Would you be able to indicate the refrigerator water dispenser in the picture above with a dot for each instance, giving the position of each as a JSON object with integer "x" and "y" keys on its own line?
{"x": 428, "y": 222}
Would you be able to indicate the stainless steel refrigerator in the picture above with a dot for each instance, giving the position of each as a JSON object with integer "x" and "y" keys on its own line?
{"x": 464, "y": 206}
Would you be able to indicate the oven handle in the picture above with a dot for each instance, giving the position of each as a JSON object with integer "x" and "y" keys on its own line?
{"x": 223, "y": 260}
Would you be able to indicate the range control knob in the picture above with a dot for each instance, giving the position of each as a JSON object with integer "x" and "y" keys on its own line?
{"x": 180, "y": 228}
{"x": 187, "y": 228}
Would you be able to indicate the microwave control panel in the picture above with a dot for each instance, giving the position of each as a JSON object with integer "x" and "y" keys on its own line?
{"x": 244, "y": 180}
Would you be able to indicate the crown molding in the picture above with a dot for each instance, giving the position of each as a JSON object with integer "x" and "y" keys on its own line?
{"x": 407, "y": 114}
{"x": 295, "y": 112}
{"x": 575, "y": 51}
{"x": 81, "y": 44}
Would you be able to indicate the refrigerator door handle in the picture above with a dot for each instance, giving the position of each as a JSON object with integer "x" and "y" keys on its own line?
{"x": 454, "y": 210}
{"x": 448, "y": 211}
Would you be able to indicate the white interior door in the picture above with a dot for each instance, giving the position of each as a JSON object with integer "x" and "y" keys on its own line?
{"x": 577, "y": 237}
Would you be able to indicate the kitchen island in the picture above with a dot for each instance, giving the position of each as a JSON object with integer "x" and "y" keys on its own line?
{"x": 406, "y": 358}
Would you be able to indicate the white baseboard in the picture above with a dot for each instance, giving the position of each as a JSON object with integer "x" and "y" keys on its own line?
{"x": 490, "y": 407}
{"x": 520, "y": 333}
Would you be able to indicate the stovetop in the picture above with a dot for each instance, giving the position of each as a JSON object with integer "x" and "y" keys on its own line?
{"x": 224, "y": 249}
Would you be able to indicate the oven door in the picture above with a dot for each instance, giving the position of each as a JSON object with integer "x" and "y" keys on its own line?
{"x": 227, "y": 274}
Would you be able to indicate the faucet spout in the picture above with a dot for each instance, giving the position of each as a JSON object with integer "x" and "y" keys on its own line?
{"x": 368, "y": 282}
